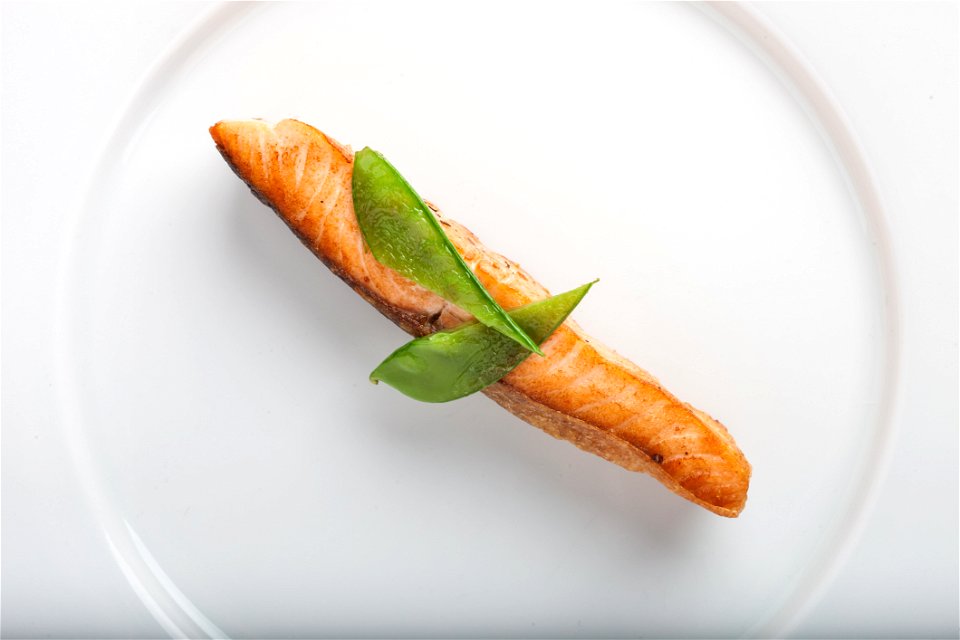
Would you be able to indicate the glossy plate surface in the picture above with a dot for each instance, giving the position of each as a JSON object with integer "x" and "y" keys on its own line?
{"x": 214, "y": 373}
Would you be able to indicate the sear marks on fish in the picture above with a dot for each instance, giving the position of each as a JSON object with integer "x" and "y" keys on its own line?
{"x": 580, "y": 391}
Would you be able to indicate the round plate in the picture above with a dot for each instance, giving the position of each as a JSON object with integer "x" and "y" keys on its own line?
{"x": 214, "y": 373}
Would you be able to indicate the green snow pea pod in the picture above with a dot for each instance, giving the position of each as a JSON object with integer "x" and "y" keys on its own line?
{"x": 447, "y": 365}
{"x": 403, "y": 234}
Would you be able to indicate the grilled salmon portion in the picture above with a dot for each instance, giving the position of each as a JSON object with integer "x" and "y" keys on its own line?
{"x": 580, "y": 391}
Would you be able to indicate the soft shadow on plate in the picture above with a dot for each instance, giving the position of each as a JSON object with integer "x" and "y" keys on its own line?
{"x": 298, "y": 281}
{"x": 617, "y": 498}
{"x": 302, "y": 285}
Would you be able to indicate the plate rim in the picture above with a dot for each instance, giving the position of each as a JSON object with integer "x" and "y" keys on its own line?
{"x": 174, "y": 611}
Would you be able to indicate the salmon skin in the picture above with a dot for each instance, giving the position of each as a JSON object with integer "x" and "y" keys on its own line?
{"x": 580, "y": 391}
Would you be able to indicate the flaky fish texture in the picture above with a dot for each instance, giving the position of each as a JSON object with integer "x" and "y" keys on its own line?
{"x": 580, "y": 391}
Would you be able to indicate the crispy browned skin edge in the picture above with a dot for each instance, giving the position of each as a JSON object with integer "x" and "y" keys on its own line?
{"x": 631, "y": 420}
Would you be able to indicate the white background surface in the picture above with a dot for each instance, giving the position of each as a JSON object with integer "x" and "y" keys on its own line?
{"x": 67, "y": 72}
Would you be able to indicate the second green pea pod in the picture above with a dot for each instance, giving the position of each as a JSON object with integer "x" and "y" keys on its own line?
{"x": 447, "y": 365}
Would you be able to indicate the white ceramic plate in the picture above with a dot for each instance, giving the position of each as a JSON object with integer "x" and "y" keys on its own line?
{"x": 253, "y": 483}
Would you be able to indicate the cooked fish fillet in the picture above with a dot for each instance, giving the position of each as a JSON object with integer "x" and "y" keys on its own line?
{"x": 580, "y": 391}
